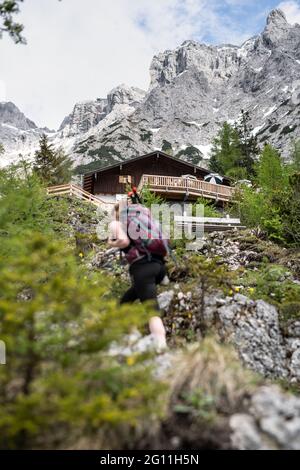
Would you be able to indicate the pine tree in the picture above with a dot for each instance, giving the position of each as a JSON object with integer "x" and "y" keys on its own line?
{"x": 52, "y": 166}
{"x": 1, "y": 149}
{"x": 296, "y": 155}
{"x": 44, "y": 159}
{"x": 63, "y": 169}
{"x": 270, "y": 174}
{"x": 226, "y": 151}
{"x": 167, "y": 147}
{"x": 248, "y": 143}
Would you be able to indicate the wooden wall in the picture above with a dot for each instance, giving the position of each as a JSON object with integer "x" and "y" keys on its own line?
{"x": 107, "y": 181}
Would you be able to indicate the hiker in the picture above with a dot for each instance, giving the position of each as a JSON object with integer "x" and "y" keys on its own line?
{"x": 147, "y": 269}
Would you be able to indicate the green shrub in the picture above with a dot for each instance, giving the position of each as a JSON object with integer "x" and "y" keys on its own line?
{"x": 58, "y": 321}
{"x": 275, "y": 206}
{"x": 273, "y": 284}
{"x": 150, "y": 197}
{"x": 59, "y": 381}
{"x": 146, "y": 136}
{"x": 210, "y": 209}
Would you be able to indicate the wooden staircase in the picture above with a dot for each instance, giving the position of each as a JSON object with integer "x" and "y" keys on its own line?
{"x": 76, "y": 191}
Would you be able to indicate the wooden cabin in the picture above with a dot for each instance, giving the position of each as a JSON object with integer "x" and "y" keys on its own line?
{"x": 164, "y": 174}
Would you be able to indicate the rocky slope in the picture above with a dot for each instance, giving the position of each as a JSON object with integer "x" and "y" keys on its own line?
{"x": 193, "y": 89}
{"x": 265, "y": 332}
{"x": 267, "y": 342}
{"x": 231, "y": 310}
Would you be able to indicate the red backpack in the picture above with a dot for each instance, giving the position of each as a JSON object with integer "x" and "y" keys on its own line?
{"x": 144, "y": 233}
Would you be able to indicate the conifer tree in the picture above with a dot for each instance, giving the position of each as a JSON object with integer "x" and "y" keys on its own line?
{"x": 44, "y": 159}
{"x": 248, "y": 143}
{"x": 235, "y": 149}
{"x": 1, "y": 149}
{"x": 296, "y": 155}
{"x": 226, "y": 151}
{"x": 270, "y": 174}
{"x": 167, "y": 147}
{"x": 63, "y": 168}
{"x": 52, "y": 166}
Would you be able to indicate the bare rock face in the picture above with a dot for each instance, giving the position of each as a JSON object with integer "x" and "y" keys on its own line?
{"x": 16, "y": 132}
{"x": 124, "y": 94}
{"x": 193, "y": 90}
{"x": 10, "y": 115}
{"x": 87, "y": 115}
{"x": 196, "y": 87}
{"x": 253, "y": 327}
{"x": 277, "y": 28}
{"x": 272, "y": 422}
{"x": 84, "y": 116}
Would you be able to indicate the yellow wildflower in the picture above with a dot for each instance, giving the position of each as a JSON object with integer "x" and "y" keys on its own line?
{"x": 130, "y": 360}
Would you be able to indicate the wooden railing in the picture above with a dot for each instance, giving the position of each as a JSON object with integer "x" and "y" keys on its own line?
{"x": 74, "y": 190}
{"x": 175, "y": 184}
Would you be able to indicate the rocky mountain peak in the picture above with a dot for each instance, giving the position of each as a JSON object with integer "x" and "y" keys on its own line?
{"x": 10, "y": 115}
{"x": 276, "y": 17}
{"x": 124, "y": 94}
{"x": 85, "y": 114}
{"x": 194, "y": 89}
{"x": 277, "y": 28}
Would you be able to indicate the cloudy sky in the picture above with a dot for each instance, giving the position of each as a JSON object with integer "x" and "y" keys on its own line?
{"x": 81, "y": 49}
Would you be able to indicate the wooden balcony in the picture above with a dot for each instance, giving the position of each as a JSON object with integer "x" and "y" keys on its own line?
{"x": 173, "y": 187}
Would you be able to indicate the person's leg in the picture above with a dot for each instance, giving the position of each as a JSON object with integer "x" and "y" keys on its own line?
{"x": 130, "y": 296}
{"x": 161, "y": 275}
{"x": 158, "y": 331}
{"x": 143, "y": 286}
{"x": 146, "y": 276}
{"x": 144, "y": 281}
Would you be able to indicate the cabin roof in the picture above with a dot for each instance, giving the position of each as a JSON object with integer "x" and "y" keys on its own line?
{"x": 141, "y": 157}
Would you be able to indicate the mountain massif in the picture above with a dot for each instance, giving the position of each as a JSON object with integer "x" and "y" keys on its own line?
{"x": 193, "y": 90}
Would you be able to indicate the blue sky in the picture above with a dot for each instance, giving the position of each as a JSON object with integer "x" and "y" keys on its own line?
{"x": 247, "y": 16}
{"x": 80, "y": 50}
{"x": 239, "y": 16}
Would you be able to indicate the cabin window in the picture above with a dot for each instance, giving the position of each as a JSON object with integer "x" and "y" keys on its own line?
{"x": 125, "y": 179}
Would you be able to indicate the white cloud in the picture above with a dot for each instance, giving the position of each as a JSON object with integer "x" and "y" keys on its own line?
{"x": 2, "y": 91}
{"x": 80, "y": 50}
{"x": 170, "y": 22}
{"x": 292, "y": 11}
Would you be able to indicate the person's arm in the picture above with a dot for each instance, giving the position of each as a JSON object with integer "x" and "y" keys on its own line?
{"x": 117, "y": 237}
